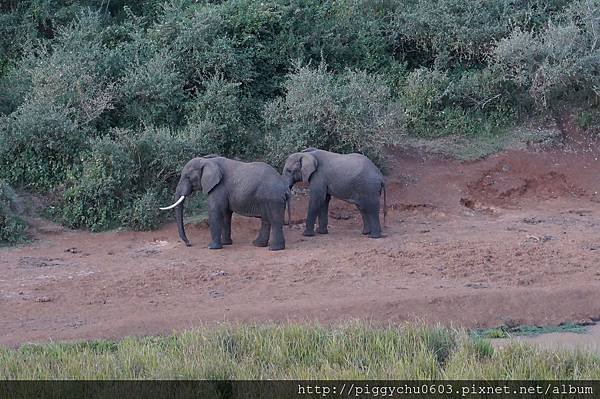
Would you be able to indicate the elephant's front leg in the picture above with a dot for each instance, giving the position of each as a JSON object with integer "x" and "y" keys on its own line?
{"x": 324, "y": 216}
{"x": 227, "y": 228}
{"x": 215, "y": 221}
{"x": 263, "y": 234}
{"x": 314, "y": 208}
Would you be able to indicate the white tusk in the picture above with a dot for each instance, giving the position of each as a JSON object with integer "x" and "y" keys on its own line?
{"x": 179, "y": 201}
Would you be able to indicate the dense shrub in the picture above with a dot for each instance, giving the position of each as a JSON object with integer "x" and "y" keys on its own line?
{"x": 352, "y": 112}
{"x": 437, "y": 104}
{"x": 42, "y": 138}
{"x": 215, "y": 119}
{"x": 12, "y": 227}
{"x": 152, "y": 91}
{"x": 559, "y": 60}
{"x": 100, "y": 187}
{"x": 14, "y": 86}
{"x": 101, "y": 103}
{"x": 424, "y": 99}
{"x": 39, "y": 142}
{"x": 450, "y": 33}
{"x": 200, "y": 45}
{"x": 125, "y": 177}
{"x": 143, "y": 213}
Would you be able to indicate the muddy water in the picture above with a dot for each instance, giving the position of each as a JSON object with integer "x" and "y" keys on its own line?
{"x": 588, "y": 341}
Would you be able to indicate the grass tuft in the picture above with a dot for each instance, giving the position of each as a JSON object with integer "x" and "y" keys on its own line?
{"x": 354, "y": 350}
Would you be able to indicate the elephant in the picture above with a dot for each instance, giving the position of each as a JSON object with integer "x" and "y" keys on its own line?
{"x": 350, "y": 177}
{"x": 247, "y": 188}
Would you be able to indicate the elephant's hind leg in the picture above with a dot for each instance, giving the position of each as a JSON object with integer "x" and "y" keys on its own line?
{"x": 372, "y": 216}
{"x": 227, "y": 228}
{"x": 276, "y": 216}
{"x": 278, "y": 241}
{"x": 366, "y": 228}
{"x": 369, "y": 210}
{"x": 263, "y": 234}
{"x": 324, "y": 216}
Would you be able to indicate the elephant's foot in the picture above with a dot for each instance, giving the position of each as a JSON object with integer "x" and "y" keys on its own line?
{"x": 260, "y": 243}
{"x": 375, "y": 235}
{"x": 308, "y": 233}
{"x": 227, "y": 241}
{"x": 187, "y": 243}
{"x": 366, "y": 231}
{"x": 214, "y": 245}
{"x": 277, "y": 247}
{"x": 322, "y": 230}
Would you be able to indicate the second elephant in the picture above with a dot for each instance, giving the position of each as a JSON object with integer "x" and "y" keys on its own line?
{"x": 349, "y": 177}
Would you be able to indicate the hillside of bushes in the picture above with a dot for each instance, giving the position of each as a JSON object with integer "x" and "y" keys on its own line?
{"x": 101, "y": 103}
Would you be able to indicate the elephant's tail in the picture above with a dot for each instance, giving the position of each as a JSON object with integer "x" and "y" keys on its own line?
{"x": 384, "y": 204}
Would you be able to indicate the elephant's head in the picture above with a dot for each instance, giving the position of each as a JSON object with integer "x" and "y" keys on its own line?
{"x": 198, "y": 174}
{"x": 299, "y": 166}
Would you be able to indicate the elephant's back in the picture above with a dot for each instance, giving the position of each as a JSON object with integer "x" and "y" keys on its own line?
{"x": 355, "y": 168}
{"x": 257, "y": 180}
{"x": 352, "y": 177}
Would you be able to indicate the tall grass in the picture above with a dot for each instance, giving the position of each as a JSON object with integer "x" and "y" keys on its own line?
{"x": 351, "y": 351}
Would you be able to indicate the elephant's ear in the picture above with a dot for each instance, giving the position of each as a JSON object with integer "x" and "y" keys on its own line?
{"x": 309, "y": 165}
{"x": 211, "y": 176}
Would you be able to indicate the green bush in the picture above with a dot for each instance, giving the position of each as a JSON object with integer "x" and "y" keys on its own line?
{"x": 99, "y": 188}
{"x": 589, "y": 120}
{"x": 475, "y": 103}
{"x": 558, "y": 61}
{"x": 39, "y": 142}
{"x": 12, "y": 226}
{"x": 200, "y": 45}
{"x": 14, "y": 86}
{"x": 354, "y": 112}
{"x": 452, "y": 33}
{"x": 160, "y": 82}
{"x": 216, "y": 117}
{"x": 42, "y": 138}
{"x": 151, "y": 91}
{"x": 143, "y": 213}
{"x": 124, "y": 178}
{"x": 423, "y": 98}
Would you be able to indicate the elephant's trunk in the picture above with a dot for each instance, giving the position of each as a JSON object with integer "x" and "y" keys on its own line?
{"x": 180, "y": 227}
{"x": 183, "y": 190}
{"x": 290, "y": 181}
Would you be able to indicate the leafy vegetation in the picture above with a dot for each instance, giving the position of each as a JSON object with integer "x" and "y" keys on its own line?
{"x": 353, "y": 111}
{"x": 12, "y": 227}
{"x": 351, "y": 351}
{"x": 101, "y": 103}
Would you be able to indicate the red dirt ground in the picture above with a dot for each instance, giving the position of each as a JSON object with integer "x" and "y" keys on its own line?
{"x": 514, "y": 238}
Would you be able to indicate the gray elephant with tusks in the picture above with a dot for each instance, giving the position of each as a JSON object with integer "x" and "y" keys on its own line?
{"x": 349, "y": 177}
{"x": 249, "y": 189}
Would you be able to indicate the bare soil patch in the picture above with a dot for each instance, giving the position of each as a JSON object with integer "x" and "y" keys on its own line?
{"x": 513, "y": 237}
